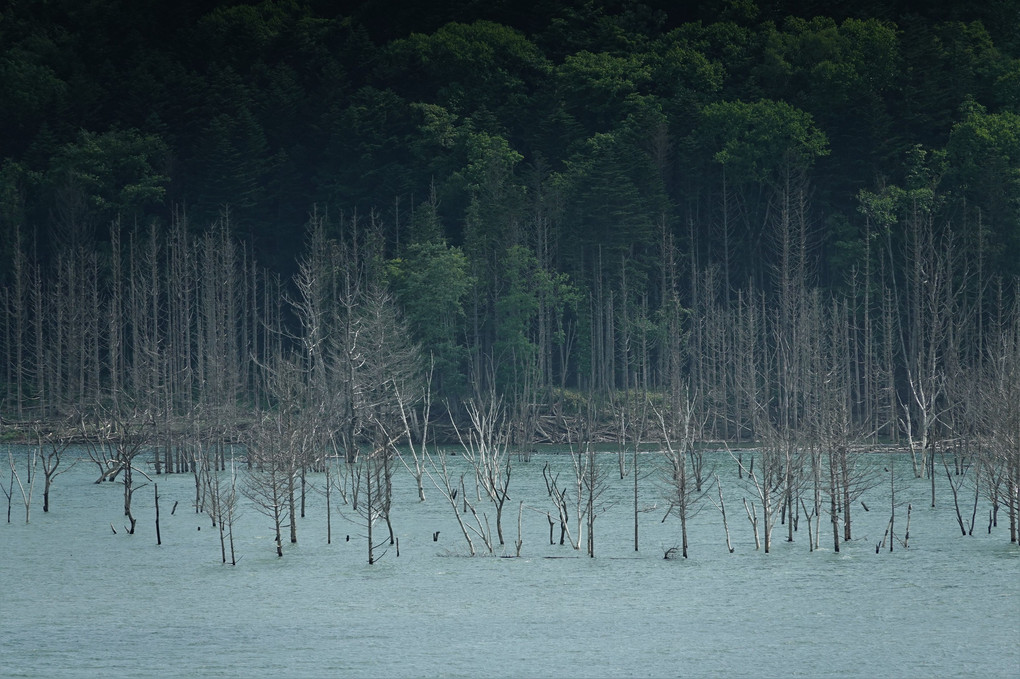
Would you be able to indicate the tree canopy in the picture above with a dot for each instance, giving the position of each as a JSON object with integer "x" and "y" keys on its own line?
{"x": 504, "y": 156}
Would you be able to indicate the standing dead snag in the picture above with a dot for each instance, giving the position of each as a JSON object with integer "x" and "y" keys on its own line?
{"x": 372, "y": 485}
{"x": 222, "y": 507}
{"x": 270, "y": 474}
{"x": 559, "y": 498}
{"x": 1000, "y": 455}
{"x": 373, "y": 366}
{"x": 681, "y": 490}
{"x": 155, "y": 492}
{"x": 118, "y": 439}
{"x": 589, "y": 484}
{"x": 592, "y": 484}
{"x": 768, "y": 483}
{"x": 890, "y": 531}
{"x": 486, "y": 448}
{"x": 752, "y": 516}
{"x": 721, "y": 506}
{"x": 452, "y": 488}
{"x": 9, "y": 494}
{"x": 831, "y": 425}
{"x": 520, "y": 535}
{"x": 417, "y": 437}
{"x": 954, "y": 486}
{"x": 934, "y": 287}
{"x": 51, "y": 454}
{"x": 26, "y": 494}
{"x": 372, "y": 480}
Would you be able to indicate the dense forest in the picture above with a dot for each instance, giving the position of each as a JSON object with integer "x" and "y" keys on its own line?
{"x": 784, "y": 222}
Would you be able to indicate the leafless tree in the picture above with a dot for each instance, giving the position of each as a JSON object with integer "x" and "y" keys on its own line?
{"x": 592, "y": 483}
{"x": 486, "y": 448}
{"x": 890, "y": 531}
{"x": 17, "y": 302}
{"x": 221, "y": 491}
{"x": 373, "y": 485}
{"x": 768, "y": 480}
{"x": 115, "y": 441}
{"x": 831, "y": 425}
{"x": 26, "y": 485}
{"x": 52, "y": 446}
{"x": 271, "y": 474}
{"x": 8, "y": 491}
{"x": 934, "y": 286}
{"x": 1000, "y": 407}
{"x": 721, "y": 506}
{"x": 682, "y": 493}
{"x": 416, "y": 429}
{"x": 388, "y": 366}
{"x": 588, "y": 485}
{"x": 454, "y": 489}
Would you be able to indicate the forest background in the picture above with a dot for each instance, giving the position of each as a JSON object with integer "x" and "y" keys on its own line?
{"x": 778, "y": 219}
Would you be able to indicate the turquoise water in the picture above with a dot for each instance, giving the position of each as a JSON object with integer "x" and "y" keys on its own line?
{"x": 77, "y": 600}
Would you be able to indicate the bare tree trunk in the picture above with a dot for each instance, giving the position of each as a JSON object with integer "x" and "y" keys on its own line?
{"x": 752, "y": 516}
{"x": 155, "y": 491}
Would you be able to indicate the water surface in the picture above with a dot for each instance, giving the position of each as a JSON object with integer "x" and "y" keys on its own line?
{"x": 77, "y": 600}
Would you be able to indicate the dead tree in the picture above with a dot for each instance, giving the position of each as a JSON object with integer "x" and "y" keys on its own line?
{"x": 270, "y": 474}
{"x": 589, "y": 484}
{"x": 486, "y": 448}
{"x": 52, "y": 448}
{"x": 416, "y": 428}
{"x": 372, "y": 480}
{"x": 934, "y": 287}
{"x": 453, "y": 488}
{"x": 955, "y": 484}
{"x": 26, "y": 485}
{"x": 721, "y": 506}
{"x": 768, "y": 482}
{"x": 115, "y": 441}
{"x": 681, "y": 490}
{"x": 890, "y": 531}
{"x": 592, "y": 485}
{"x": 560, "y": 500}
{"x": 9, "y": 494}
{"x": 1000, "y": 418}
{"x": 222, "y": 507}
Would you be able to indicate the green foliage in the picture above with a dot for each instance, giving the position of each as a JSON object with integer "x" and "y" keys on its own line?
{"x": 241, "y": 35}
{"x": 599, "y": 89}
{"x": 29, "y": 88}
{"x": 517, "y": 307}
{"x": 367, "y": 146}
{"x": 847, "y": 251}
{"x": 682, "y": 74}
{"x": 530, "y": 155}
{"x": 15, "y": 182}
{"x": 984, "y": 156}
{"x": 233, "y": 164}
{"x": 463, "y": 67}
{"x": 495, "y": 199}
{"x": 613, "y": 198}
{"x": 759, "y": 141}
{"x": 528, "y": 291}
{"x": 119, "y": 173}
{"x": 431, "y": 283}
{"x": 825, "y": 64}
{"x": 984, "y": 151}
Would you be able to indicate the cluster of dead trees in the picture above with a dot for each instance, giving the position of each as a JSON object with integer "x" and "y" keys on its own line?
{"x": 160, "y": 353}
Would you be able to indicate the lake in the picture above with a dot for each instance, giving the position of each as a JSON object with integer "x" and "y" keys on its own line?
{"x": 77, "y": 600}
